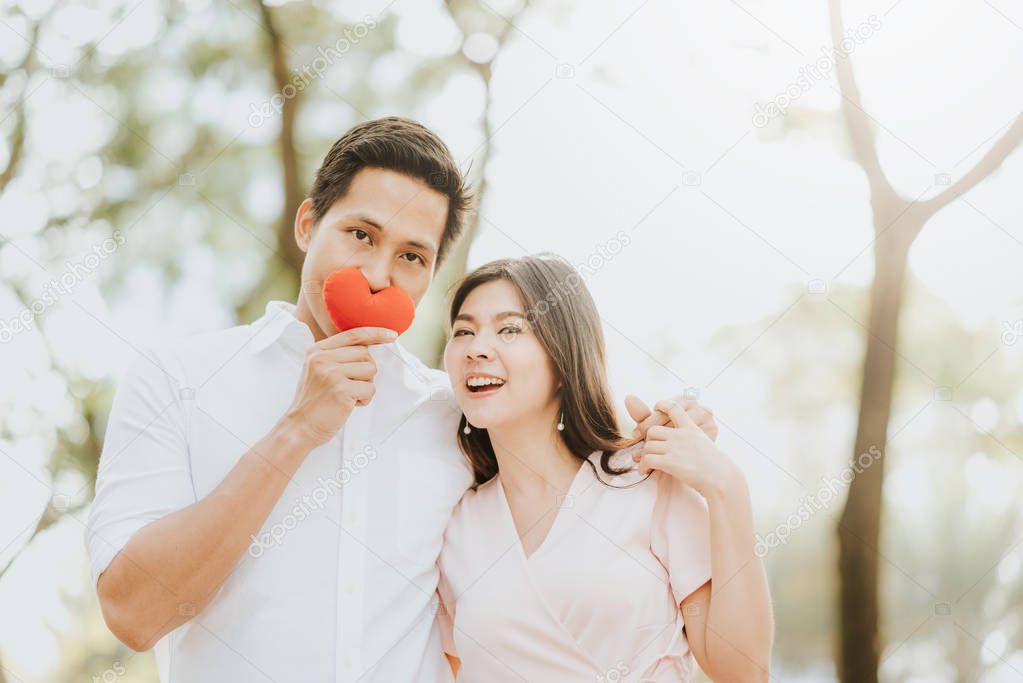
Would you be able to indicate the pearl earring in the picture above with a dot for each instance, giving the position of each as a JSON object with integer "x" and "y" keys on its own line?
{"x": 561, "y": 422}
{"x": 465, "y": 429}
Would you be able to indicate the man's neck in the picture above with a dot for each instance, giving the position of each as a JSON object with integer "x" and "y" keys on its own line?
{"x": 305, "y": 315}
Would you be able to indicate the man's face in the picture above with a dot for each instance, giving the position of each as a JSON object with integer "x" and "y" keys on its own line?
{"x": 388, "y": 225}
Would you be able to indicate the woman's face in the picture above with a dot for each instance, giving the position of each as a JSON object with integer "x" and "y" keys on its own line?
{"x": 499, "y": 371}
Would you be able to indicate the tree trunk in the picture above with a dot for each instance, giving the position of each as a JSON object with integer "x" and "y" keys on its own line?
{"x": 860, "y": 524}
{"x": 287, "y": 248}
{"x": 285, "y": 264}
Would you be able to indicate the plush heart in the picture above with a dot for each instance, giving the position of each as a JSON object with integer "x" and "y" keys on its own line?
{"x": 350, "y": 303}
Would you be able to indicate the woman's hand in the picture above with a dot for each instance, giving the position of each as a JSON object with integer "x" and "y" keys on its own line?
{"x": 682, "y": 449}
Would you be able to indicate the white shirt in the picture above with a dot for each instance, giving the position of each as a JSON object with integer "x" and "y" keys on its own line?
{"x": 340, "y": 583}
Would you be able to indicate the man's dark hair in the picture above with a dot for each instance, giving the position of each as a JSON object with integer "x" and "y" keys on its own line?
{"x": 400, "y": 145}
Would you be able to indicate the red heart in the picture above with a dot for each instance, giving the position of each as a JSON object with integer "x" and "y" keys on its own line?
{"x": 350, "y": 303}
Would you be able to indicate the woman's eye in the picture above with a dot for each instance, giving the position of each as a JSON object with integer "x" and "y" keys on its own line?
{"x": 509, "y": 329}
{"x": 460, "y": 333}
{"x": 360, "y": 234}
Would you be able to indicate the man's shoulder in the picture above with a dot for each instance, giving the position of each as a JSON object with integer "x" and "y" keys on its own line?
{"x": 226, "y": 341}
{"x": 197, "y": 355}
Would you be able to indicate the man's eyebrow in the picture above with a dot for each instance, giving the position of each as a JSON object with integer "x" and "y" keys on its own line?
{"x": 425, "y": 246}
{"x": 363, "y": 218}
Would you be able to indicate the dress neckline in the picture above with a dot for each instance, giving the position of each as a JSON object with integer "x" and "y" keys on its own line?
{"x": 510, "y": 519}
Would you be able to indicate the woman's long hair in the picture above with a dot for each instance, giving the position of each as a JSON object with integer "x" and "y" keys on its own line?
{"x": 564, "y": 318}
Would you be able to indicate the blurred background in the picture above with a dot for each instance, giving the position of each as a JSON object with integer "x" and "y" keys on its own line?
{"x": 803, "y": 214}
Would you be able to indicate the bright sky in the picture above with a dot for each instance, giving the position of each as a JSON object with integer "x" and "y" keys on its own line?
{"x": 621, "y": 118}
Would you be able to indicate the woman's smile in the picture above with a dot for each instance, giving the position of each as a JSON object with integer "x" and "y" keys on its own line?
{"x": 480, "y": 385}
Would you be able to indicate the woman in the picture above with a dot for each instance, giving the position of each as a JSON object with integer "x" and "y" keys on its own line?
{"x": 580, "y": 555}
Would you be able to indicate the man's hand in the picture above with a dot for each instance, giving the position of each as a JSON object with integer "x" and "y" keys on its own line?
{"x": 645, "y": 418}
{"x": 337, "y": 376}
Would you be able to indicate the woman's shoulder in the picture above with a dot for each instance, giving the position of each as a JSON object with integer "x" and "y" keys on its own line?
{"x": 472, "y": 527}
{"x": 476, "y": 500}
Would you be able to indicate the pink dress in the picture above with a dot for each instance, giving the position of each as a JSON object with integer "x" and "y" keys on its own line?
{"x": 597, "y": 601}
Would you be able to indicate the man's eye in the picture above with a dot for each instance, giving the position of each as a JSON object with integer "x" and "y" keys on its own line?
{"x": 360, "y": 234}
{"x": 460, "y": 333}
{"x": 415, "y": 258}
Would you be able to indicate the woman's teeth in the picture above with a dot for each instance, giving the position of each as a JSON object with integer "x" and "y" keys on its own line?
{"x": 476, "y": 384}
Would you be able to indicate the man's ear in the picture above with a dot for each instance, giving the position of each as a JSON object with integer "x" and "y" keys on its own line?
{"x": 304, "y": 224}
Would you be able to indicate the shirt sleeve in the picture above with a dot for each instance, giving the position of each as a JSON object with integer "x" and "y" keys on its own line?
{"x": 680, "y": 536}
{"x": 144, "y": 471}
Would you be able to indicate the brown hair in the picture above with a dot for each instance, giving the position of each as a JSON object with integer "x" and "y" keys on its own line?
{"x": 564, "y": 319}
{"x": 400, "y": 145}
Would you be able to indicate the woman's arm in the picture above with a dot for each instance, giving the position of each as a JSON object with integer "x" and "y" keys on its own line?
{"x": 728, "y": 620}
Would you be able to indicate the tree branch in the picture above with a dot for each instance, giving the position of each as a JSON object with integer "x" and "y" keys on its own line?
{"x": 51, "y": 514}
{"x": 857, "y": 123}
{"x": 18, "y": 135}
{"x": 17, "y": 145}
{"x": 457, "y": 262}
{"x": 990, "y": 163}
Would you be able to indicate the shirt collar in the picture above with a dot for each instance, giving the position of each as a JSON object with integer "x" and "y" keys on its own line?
{"x": 279, "y": 324}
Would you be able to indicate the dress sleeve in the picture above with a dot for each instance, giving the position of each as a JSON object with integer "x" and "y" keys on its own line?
{"x": 680, "y": 535}
{"x": 144, "y": 471}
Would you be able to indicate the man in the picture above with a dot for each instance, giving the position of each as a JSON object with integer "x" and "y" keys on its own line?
{"x": 271, "y": 499}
